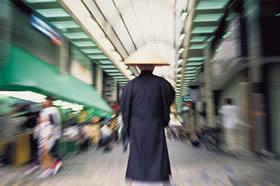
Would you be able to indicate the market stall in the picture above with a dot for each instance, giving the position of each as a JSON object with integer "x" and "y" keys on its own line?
{"x": 22, "y": 72}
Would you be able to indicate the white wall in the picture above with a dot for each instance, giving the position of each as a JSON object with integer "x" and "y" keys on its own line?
{"x": 81, "y": 72}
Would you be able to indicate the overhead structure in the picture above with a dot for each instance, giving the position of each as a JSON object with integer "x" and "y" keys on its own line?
{"x": 17, "y": 74}
{"x": 131, "y": 25}
{"x": 201, "y": 24}
{"x": 83, "y": 37}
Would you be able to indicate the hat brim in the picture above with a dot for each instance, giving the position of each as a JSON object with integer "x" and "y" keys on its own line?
{"x": 156, "y": 63}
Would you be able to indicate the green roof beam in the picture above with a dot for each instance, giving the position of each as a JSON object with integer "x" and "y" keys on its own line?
{"x": 65, "y": 24}
{"x": 208, "y": 18}
{"x": 98, "y": 57}
{"x": 53, "y": 12}
{"x": 196, "y": 39}
{"x": 76, "y": 35}
{"x": 84, "y": 43}
{"x": 92, "y": 51}
{"x": 204, "y": 30}
{"x": 40, "y": 1}
{"x": 196, "y": 47}
{"x": 211, "y": 5}
{"x": 190, "y": 68}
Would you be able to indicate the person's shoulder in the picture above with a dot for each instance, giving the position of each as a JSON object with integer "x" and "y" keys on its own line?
{"x": 129, "y": 84}
{"x": 54, "y": 109}
{"x": 163, "y": 81}
{"x": 159, "y": 78}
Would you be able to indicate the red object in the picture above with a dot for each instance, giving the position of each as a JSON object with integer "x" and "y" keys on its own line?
{"x": 189, "y": 104}
{"x": 56, "y": 41}
{"x": 116, "y": 107}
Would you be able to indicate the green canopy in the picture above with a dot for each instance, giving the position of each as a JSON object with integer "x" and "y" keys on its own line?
{"x": 23, "y": 71}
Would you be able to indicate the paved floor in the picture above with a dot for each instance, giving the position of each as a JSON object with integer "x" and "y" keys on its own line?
{"x": 190, "y": 167}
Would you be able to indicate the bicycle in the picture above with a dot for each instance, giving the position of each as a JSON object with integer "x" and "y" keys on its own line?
{"x": 211, "y": 138}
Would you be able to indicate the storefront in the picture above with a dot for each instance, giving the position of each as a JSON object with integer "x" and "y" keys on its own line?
{"x": 42, "y": 68}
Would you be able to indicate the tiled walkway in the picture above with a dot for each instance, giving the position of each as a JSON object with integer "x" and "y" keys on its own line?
{"x": 194, "y": 167}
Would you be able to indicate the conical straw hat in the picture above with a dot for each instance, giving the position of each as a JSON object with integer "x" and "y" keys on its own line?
{"x": 146, "y": 57}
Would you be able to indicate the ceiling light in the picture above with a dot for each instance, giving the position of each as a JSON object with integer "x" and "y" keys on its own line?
{"x": 182, "y": 36}
{"x": 180, "y": 62}
{"x": 181, "y": 50}
{"x": 179, "y": 69}
{"x": 184, "y": 15}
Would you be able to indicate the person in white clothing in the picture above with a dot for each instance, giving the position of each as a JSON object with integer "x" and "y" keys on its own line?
{"x": 105, "y": 131}
{"x": 54, "y": 115}
{"x": 55, "y": 119}
{"x": 106, "y": 138}
{"x": 44, "y": 133}
{"x": 230, "y": 119}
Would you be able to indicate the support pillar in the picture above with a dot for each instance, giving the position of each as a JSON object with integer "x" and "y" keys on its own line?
{"x": 208, "y": 88}
{"x": 64, "y": 57}
{"x": 99, "y": 80}
{"x": 257, "y": 109}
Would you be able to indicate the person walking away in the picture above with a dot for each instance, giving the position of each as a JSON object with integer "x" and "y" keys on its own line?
{"x": 230, "y": 120}
{"x": 55, "y": 119}
{"x": 145, "y": 108}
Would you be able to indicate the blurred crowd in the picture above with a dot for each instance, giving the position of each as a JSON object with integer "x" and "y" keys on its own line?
{"x": 43, "y": 134}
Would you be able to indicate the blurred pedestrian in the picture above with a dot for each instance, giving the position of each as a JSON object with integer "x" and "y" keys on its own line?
{"x": 44, "y": 131}
{"x": 53, "y": 113}
{"x": 145, "y": 107}
{"x": 106, "y": 138}
{"x": 230, "y": 120}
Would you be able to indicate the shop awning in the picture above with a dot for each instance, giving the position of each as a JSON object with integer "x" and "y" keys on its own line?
{"x": 22, "y": 71}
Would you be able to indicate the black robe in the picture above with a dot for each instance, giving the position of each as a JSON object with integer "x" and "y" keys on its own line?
{"x": 145, "y": 107}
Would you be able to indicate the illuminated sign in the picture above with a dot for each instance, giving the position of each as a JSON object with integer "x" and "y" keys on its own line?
{"x": 43, "y": 27}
